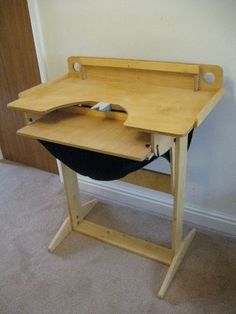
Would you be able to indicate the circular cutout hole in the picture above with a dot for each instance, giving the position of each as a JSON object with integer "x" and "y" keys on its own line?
{"x": 76, "y": 67}
{"x": 209, "y": 77}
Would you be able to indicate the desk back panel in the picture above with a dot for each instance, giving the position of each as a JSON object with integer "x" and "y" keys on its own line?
{"x": 170, "y": 74}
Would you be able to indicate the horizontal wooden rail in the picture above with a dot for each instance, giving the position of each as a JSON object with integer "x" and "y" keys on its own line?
{"x": 150, "y": 179}
{"x": 127, "y": 242}
{"x": 139, "y": 64}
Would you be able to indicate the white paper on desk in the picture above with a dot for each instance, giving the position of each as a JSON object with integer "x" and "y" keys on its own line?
{"x": 102, "y": 106}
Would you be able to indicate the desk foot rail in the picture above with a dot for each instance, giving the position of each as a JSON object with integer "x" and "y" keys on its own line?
{"x": 127, "y": 242}
{"x": 177, "y": 259}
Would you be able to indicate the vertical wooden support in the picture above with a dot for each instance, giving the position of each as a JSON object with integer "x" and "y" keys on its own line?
{"x": 72, "y": 194}
{"x": 83, "y": 72}
{"x": 77, "y": 212}
{"x": 179, "y": 246}
{"x": 172, "y": 166}
{"x": 73, "y": 205}
{"x": 180, "y": 165}
{"x": 196, "y": 82}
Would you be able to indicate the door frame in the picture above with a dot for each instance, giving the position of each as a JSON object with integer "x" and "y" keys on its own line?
{"x": 38, "y": 38}
{"x": 40, "y": 50}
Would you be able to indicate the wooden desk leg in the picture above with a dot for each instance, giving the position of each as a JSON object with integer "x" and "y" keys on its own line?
{"x": 172, "y": 165}
{"x": 77, "y": 212}
{"x": 179, "y": 247}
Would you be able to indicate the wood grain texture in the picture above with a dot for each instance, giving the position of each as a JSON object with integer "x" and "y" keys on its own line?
{"x": 71, "y": 189}
{"x": 139, "y": 64}
{"x": 155, "y": 100}
{"x": 180, "y": 168}
{"x": 91, "y": 132}
{"x": 150, "y": 180}
{"x": 166, "y": 110}
{"x": 19, "y": 71}
{"x": 127, "y": 242}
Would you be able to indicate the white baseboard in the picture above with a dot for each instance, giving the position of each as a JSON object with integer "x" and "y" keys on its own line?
{"x": 156, "y": 203}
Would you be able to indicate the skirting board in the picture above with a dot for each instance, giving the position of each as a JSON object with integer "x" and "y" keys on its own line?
{"x": 156, "y": 203}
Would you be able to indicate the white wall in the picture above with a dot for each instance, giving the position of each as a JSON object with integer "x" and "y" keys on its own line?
{"x": 185, "y": 30}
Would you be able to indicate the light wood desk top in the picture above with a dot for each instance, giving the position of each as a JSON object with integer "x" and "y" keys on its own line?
{"x": 171, "y": 99}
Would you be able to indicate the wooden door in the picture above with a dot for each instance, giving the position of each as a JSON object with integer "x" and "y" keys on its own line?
{"x": 18, "y": 71}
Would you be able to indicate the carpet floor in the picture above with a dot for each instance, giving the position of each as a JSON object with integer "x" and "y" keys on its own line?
{"x": 85, "y": 276}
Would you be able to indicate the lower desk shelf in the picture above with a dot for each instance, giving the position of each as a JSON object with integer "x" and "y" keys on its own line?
{"x": 92, "y": 131}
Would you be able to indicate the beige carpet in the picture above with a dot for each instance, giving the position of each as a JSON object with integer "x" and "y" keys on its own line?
{"x": 86, "y": 276}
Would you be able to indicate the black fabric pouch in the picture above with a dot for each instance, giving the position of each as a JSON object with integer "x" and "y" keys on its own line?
{"x": 98, "y": 166}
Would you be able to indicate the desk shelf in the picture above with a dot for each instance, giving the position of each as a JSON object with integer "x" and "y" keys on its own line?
{"x": 91, "y": 130}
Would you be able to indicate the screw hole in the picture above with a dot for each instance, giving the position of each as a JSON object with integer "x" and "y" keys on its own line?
{"x": 148, "y": 145}
{"x": 209, "y": 77}
{"x": 76, "y": 67}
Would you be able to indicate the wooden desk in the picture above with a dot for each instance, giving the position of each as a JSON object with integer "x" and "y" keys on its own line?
{"x": 155, "y": 106}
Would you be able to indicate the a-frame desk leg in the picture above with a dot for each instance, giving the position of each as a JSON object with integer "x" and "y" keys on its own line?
{"x": 77, "y": 212}
{"x": 178, "y": 245}
{"x": 171, "y": 257}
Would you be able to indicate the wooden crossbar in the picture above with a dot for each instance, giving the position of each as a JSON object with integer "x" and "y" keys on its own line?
{"x": 141, "y": 65}
{"x": 150, "y": 179}
{"x": 127, "y": 242}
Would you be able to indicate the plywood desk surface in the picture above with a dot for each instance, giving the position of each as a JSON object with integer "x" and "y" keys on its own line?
{"x": 90, "y": 130}
{"x": 164, "y": 101}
